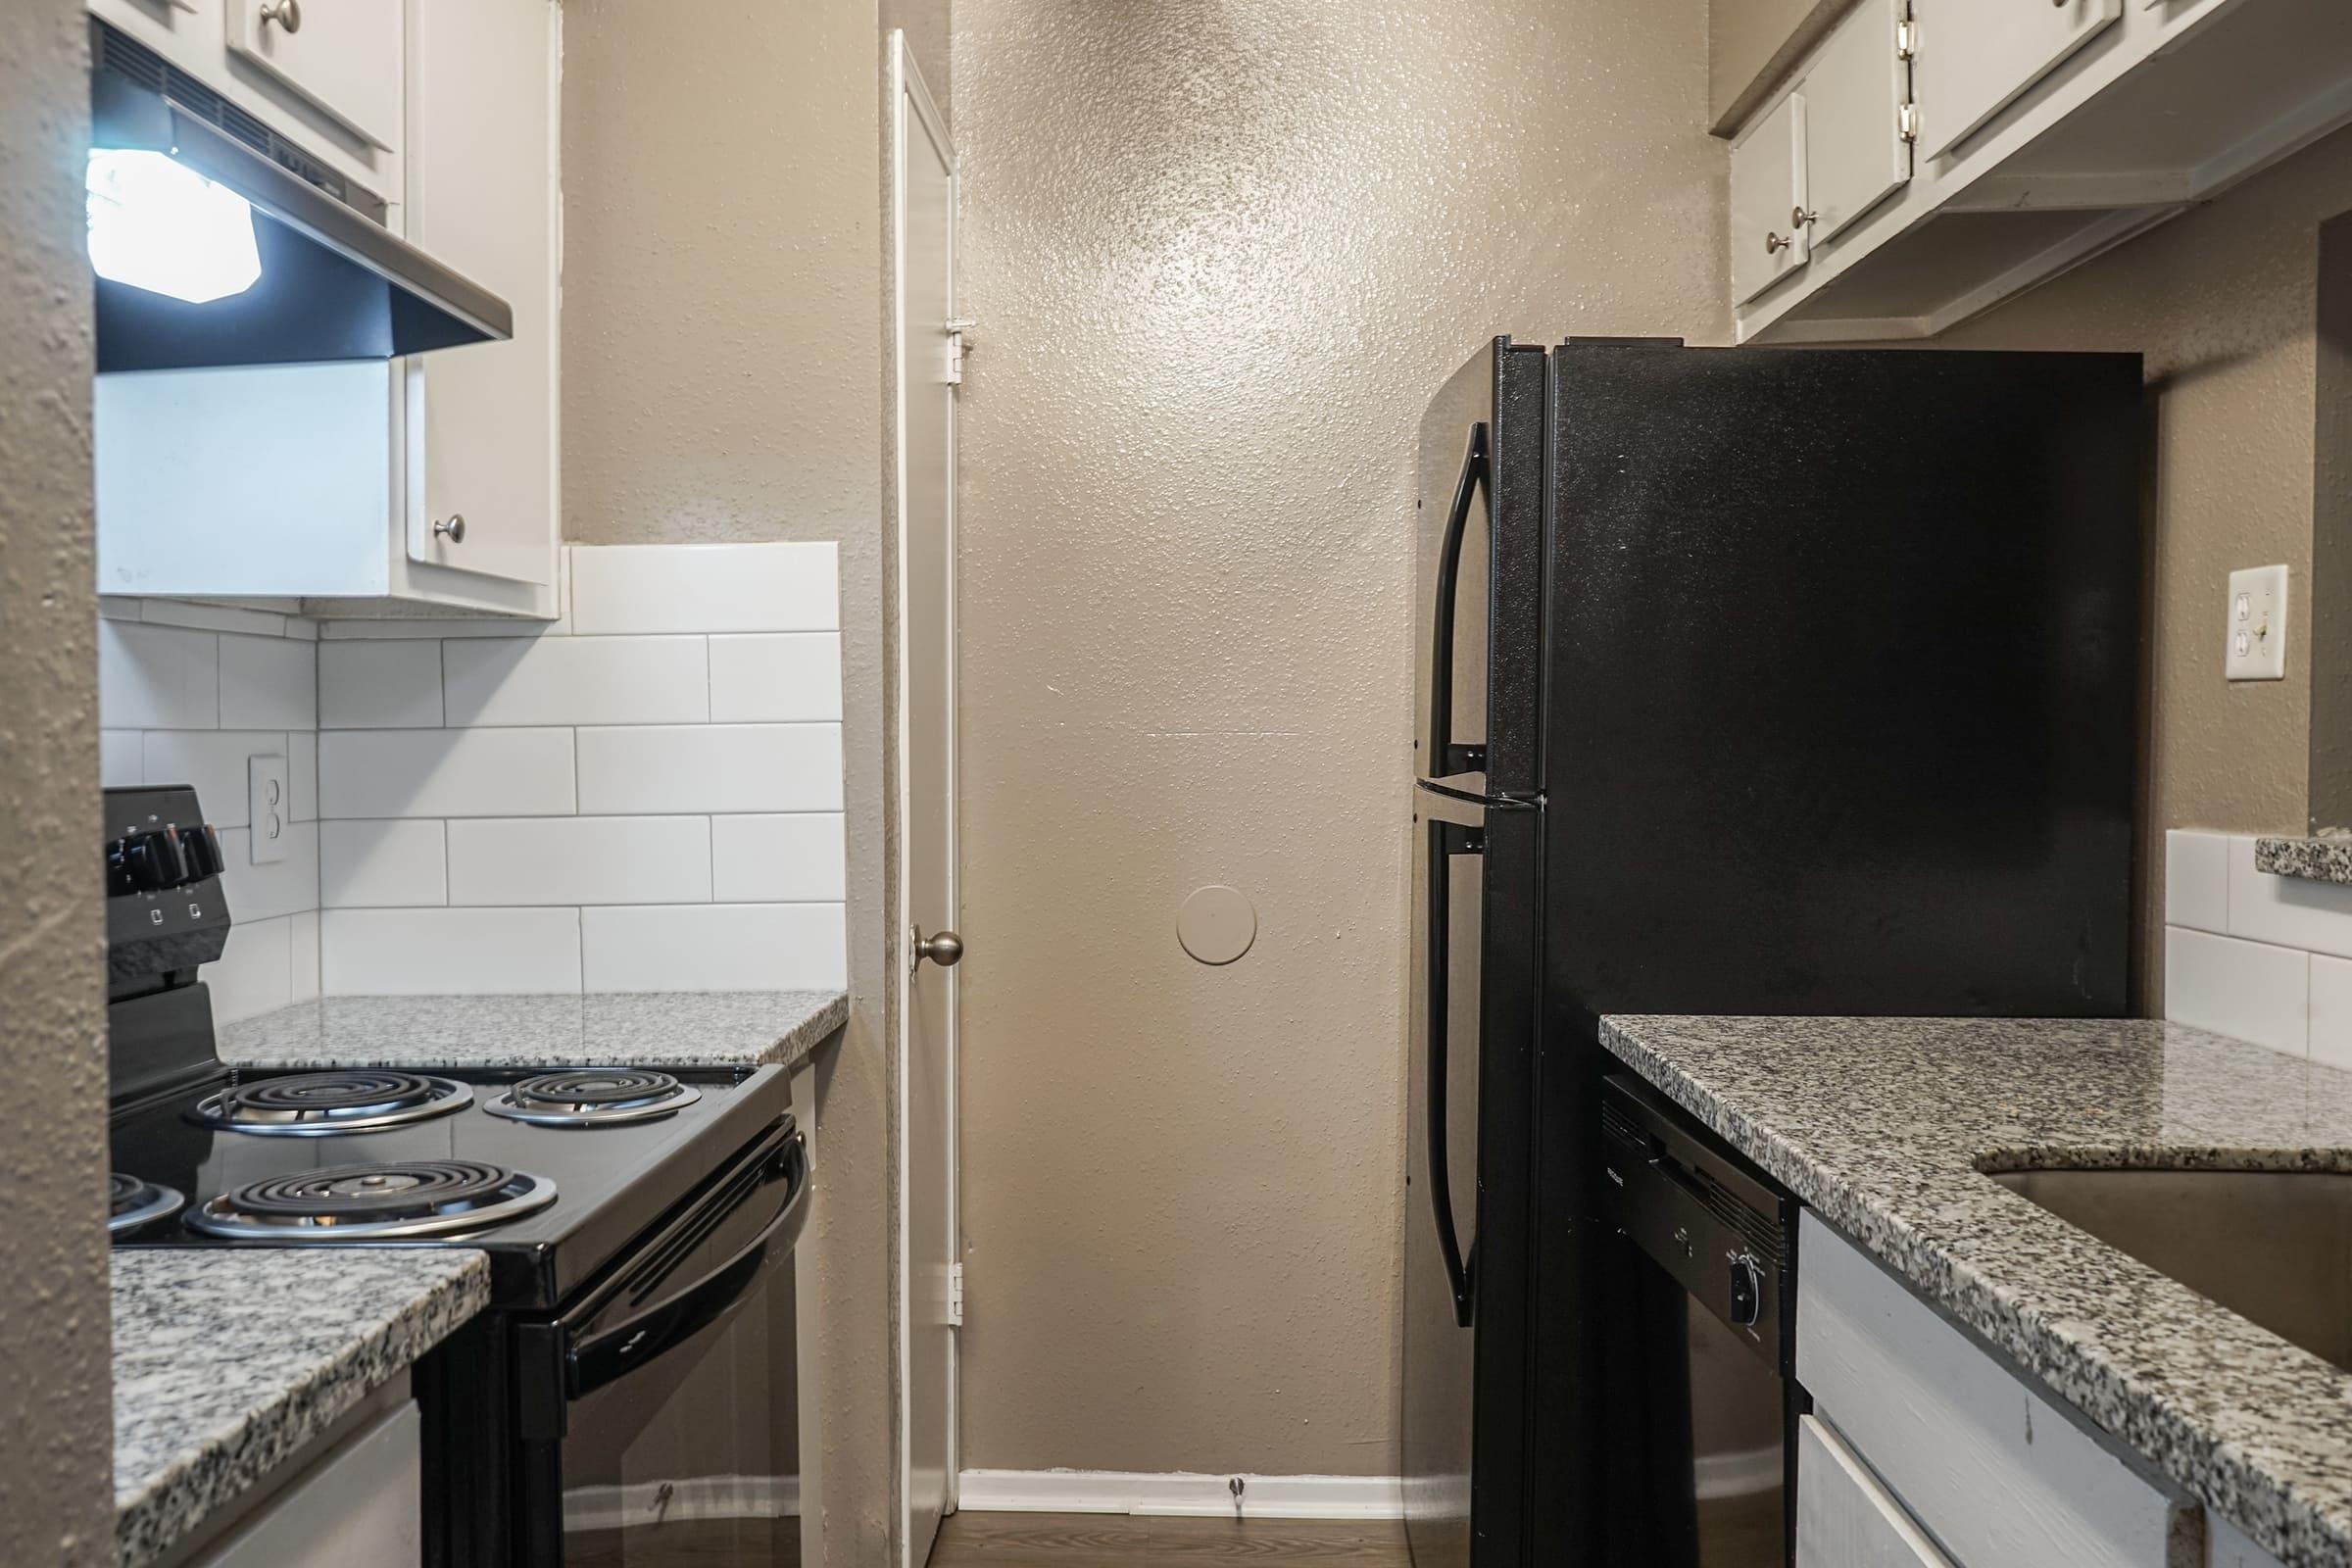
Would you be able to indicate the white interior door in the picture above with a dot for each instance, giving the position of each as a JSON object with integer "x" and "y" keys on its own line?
{"x": 928, "y": 356}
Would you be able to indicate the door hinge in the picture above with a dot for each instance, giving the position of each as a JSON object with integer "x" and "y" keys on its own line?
{"x": 955, "y": 1296}
{"x": 1906, "y": 40}
{"x": 1906, "y": 121}
{"x": 959, "y": 334}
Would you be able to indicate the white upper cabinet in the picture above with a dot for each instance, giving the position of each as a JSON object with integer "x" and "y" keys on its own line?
{"x": 1768, "y": 200}
{"x": 343, "y": 57}
{"x": 1961, "y": 153}
{"x": 482, "y": 197}
{"x": 1976, "y": 56}
{"x": 1856, "y": 94}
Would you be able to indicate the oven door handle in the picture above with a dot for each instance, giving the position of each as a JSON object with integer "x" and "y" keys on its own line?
{"x": 637, "y": 1340}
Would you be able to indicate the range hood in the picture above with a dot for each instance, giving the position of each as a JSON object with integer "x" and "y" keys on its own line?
{"x": 216, "y": 242}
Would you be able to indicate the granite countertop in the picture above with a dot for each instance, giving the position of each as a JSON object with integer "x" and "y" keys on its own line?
{"x": 2327, "y": 859}
{"x": 227, "y": 1361}
{"x": 654, "y": 1029}
{"x": 1883, "y": 1127}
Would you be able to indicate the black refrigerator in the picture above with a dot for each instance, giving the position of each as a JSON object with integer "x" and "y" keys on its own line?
{"x": 1749, "y": 681}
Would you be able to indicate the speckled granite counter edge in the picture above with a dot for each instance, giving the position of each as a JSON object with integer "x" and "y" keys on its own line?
{"x": 2229, "y": 1476}
{"x": 2311, "y": 860}
{"x": 183, "y": 1488}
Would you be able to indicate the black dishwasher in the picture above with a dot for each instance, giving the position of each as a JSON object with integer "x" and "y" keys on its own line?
{"x": 1700, "y": 1444}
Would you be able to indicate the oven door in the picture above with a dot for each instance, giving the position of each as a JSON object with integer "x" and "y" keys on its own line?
{"x": 680, "y": 1439}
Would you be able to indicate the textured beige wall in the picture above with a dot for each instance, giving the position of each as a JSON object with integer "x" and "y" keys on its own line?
{"x": 1222, "y": 253}
{"x": 1746, "y": 38}
{"x": 722, "y": 380}
{"x": 2223, "y": 301}
{"x": 56, "y": 1425}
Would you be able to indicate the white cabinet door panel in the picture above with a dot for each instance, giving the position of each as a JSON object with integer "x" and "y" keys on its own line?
{"x": 1984, "y": 1462}
{"x": 342, "y": 56}
{"x": 361, "y": 1506}
{"x": 1768, "y": 189}
{"x": 1976, "y": 56}
{"x": 1845, "y": 1519}
{"x": 482, "y": 197}
{"x": 1855, "y": 155}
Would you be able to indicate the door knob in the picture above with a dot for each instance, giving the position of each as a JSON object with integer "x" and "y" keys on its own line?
{"x": 287, "y": 14}
{"x": 943, "y": 948}
{"x": 454, "y": 531}
{"x": 1774, "y": 244}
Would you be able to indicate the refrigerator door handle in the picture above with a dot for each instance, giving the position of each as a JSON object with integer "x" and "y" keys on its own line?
{"x": 1445, "y": 839}
{"x": 1444, "y": 756}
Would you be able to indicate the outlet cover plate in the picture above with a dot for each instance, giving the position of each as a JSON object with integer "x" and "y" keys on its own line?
{"x": 2256, "y": 649}
{"x": 266, "y": 776}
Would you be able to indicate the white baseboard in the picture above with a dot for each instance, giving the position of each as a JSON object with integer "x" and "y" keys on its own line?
{"x": 1741, "y": 1473}
{"x": 1181, "y": 1494}
{"x": 647, "y": 1502}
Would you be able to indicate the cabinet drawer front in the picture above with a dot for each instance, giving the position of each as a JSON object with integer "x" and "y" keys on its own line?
{"x": 1976, "y": 56}
{"x": 1855, "y": 155}
{"x": 343, "y": 57}
{"x": 1845, "y": 1519}
{"x": 1768, "y": 186}
{"x": 1989, "y": 1466}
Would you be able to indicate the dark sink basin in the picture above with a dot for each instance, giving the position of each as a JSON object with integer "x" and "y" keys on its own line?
{"x": 2272, "y": 1245}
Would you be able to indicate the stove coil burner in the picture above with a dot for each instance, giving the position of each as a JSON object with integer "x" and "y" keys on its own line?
{"x": 131, "y": 1203}
{"x": 592, "y": 1097}
{"x": 375, "y": 1202}
{"x": 320, "y": 1105}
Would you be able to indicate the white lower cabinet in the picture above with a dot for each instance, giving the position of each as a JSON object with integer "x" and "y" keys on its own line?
{"x": 1845, "y": 1518}
{"x": 1979, "y": 1461}
{"x": 360, "y": 1505}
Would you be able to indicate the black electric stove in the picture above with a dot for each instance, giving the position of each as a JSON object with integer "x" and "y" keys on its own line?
{"x": 639, "y": 1226}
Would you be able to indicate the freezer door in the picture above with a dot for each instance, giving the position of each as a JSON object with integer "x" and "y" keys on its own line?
{"x": 1467, "y": 1179}
{"x": 1478, "y": 630}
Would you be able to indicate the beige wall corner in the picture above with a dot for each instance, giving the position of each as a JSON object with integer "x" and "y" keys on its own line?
{"x": 1751, "y": 44}
{"x": 2223, "y": 302}
{"x": 723, "y": 312}
{"x": 56, "y": 1418}
{"x": 1221, "y": 255}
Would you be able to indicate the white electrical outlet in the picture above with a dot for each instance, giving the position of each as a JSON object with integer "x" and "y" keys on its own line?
{"x": 2257, "y": 645}
{"x": 265, "y": 790}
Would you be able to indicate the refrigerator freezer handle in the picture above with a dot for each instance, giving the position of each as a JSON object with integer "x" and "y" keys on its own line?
{"x": 1445, "y": 839}
{"x": 1444, "y": 756}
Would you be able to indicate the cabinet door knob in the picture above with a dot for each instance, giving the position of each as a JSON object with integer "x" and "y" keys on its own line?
{"x": 454, "y": 531}
{"x": 943, "y": 948}
{"x": 1798, "y": 217}
{"x": 287, "y": 14}
{"x": 1774, "y": 244}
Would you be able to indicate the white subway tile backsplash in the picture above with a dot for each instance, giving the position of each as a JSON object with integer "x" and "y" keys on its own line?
{"x": 255, "y": 972}
{"x": 213, "y": 761}
{"x": 2247, "y": 989}
{"x": 579, "y": 680}
{"x": 383, "y": 864}
{"x": 784, "y": 678}
{"x": 714, "y": 947}
{"x": 455, "y": 951}
{"x": 2331, "y": 1010}
{"x": 122, "y": 756}
{"x": 379, "y": 685}
{"x": 455, "y": 772}
{"x": 644, "y": 589}
{"x": 302, "y": 943}
{"x": 269, "y": 684}
{"x": 302, "y": 784}
{"x": 2196, "y": 880}
{"x": 2289, "y": 912}
{"x": 580, "y": 860}
{"x": 778, "y": 859}
{"x": 710, "y": 768}
{"x": 157, "y": 677}
{"x": 275, "y": 887}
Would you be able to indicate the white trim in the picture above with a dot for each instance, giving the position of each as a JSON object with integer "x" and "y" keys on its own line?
{"x": 1181, "y": 1494}
{"x": 639, "y": 1504}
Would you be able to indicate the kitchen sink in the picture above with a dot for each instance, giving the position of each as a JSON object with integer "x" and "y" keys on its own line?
{"x": 2272, "y": 1245}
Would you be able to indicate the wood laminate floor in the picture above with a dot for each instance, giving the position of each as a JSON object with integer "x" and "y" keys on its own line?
{"x": 1113, "y": 1541}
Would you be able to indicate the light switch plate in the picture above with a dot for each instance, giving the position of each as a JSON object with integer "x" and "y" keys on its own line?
{"x": 2256, "y": 649}
{"x": 265, "y": 790}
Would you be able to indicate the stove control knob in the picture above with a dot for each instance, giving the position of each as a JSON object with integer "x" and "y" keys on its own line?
{"x": 151, "y": 861}
{"x": 1747, "y": 1292}
{"x": 200, "y": 846}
